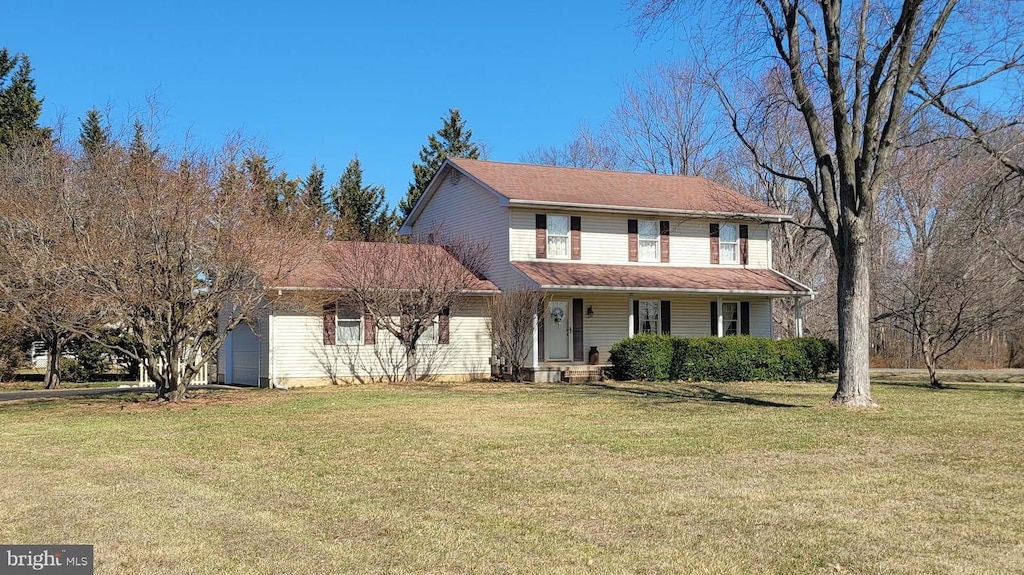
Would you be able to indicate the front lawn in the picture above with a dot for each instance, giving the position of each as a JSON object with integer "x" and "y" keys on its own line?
{"x": 505, "y": 478}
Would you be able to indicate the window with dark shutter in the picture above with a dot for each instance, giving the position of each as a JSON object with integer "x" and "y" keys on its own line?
{"x": 575, "y": 225}
{"x": 713, "y": 233}
{"x": 743, "y": 243}
{"x": 744, "y": 318}
{"x": 634, "y": 251}
{"x": 369, "y": 329}
{"x": 666, "y": 317}
{"x": 542, "y": 236}
{"x": 636, "y": 317}
{"x": 666, "y": 234}
{"x": 714, "y": 318}
{"x": 444, "y": 326}
{"x": 330, "y": 323}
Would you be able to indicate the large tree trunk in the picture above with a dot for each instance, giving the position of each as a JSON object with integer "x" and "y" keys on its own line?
{"x": 928, "y": 351}
{"x": 854, "y": 303}
{"x": 53, "y": 353}
{"x": 410, "y": 364}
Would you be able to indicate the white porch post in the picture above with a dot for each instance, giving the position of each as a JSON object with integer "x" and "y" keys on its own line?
{"x": 632, "y": 320}
{"x": 799, "y": 316}
{"x": 536, "y": 344}
{"x": 721, "y": 323}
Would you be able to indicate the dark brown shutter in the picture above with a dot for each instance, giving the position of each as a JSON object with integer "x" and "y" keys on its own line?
{"x": 330, "y": 324}
{"x": 714, "y": 318}
{"x": 743, "y": 243}
{"x": 664, "y": 237}
{"x": 631, "y": 227}
{"x": 542, "y": 236}
{"x": 574, "y": 236}
{"x": 541, "y": 352}
{"x": 666, "y": 317}
{"x": 369, "y": 329}
{"x": 577, "y": 329}
{"x": 744, "y": 317}
{"x": 444, "y": 326}
{"x": 714, "y": 243}
{"x": 636, "y": 315}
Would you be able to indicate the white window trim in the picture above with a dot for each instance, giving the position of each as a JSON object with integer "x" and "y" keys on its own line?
{"x": 722, "y": 243}
{"x": 425, "y": 336}
{"x": 656, "y": 239}
{"x": 567, "y": 236}
{"x": 722, "y": 322}
{"x": 643, "y": 306}
{"x": 338, "y": 318}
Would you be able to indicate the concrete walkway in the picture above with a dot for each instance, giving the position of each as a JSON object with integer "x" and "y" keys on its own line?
{"x": 87, "y": 391}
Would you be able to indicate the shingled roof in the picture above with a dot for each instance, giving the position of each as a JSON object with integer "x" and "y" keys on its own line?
{"x": 340, "y": 265}
{"x": 660, "y": 278}
{"x": 529, "y": 184}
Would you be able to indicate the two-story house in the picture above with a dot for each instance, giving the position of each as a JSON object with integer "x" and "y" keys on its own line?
{"x": 616, "y": 254}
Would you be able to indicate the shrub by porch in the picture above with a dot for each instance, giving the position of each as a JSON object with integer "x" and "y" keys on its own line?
{"x": 734, "y": 358}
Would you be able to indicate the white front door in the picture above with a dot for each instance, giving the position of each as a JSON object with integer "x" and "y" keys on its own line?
{"x": 557, "y": 330}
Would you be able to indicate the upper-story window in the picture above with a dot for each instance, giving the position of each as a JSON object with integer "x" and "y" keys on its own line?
{"x": 558, "y": 236}
{"x": 729, "y": 244}
{"x": 649, "y": 241}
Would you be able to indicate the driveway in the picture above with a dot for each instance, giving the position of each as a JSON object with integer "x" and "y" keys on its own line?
{"x": 86, "y": 392}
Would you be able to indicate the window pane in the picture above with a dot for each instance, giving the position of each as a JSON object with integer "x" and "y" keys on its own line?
{"x": 558, "y": 225}
{"x": 558, "y": 247}
{"x": 348, "y": 330}
{"x": 649, "y": 317}
{"x": 648, "y": 230}
{"x": 430, "y": 335}
{"x": 728, "y": 252}
{"x": 730, "y": 318}
{"x": 728, "y": 233}
{"x": 649, "y": 251}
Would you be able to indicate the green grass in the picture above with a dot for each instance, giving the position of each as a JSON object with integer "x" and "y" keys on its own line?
{"x": 503, "y": 478}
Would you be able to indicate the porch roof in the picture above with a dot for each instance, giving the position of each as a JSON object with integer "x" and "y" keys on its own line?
{"x": 638, "y": 278}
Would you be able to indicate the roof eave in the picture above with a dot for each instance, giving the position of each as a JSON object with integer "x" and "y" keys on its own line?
{"x": 780, "y": 293}
{"x": 773, "y": 218}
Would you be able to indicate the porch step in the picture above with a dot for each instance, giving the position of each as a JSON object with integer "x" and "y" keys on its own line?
{"x": 583, "y": 373}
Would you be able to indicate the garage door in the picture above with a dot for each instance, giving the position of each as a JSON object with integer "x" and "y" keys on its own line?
{"x": 245, "y": 356}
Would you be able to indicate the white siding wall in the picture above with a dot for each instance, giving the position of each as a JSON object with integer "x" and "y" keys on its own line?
{"x": 604, "y": 239}
{"x": 464, "y": 209}
{"x": 300, "y": 355}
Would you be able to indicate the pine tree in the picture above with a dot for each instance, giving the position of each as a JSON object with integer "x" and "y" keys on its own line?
{"x": 362, "y": 206}
{"x": 141, "y": 150}
{"x": 19, "y": 106}
{"x": 259, "y": 173}
{"x": 94, "y": 137}
{"x": 313, "y": 189}
{"x": 453, "y": 140}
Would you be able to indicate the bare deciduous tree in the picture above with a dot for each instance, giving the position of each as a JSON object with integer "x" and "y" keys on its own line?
{"x": 510, "y": 322}
{"x": 849, "y": 70}
{"x": 409, "y": 288}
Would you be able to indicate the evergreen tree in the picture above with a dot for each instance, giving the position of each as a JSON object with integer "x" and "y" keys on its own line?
{"x": 361, "y": 206}
{"x": 453, "y": 140}
{"x": 94, "y": 137}
{"x": 19, "y": 107}
{"x": 313, "y": 190}
{"x": 141, "y": 149}
{"x": 259, "y": 173}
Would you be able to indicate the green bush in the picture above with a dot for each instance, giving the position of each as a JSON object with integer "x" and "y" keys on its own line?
{"x": 642, "y": 357}
{"x": 734, "y": 358}
{"x": 73, "y": 371}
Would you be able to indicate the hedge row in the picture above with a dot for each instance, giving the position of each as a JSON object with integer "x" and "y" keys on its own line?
{"x": 734, "y": 358}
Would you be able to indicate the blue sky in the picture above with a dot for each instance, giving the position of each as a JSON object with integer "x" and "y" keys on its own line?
{"x": 331, "y": 80}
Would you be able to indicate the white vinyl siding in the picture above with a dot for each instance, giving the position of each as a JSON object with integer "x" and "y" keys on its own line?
{"x": 648, "y": 241}
{"x": 302, "y": 358}
{"x": 604, "y": 240}
{"x": 463, "y": 209}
